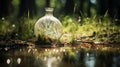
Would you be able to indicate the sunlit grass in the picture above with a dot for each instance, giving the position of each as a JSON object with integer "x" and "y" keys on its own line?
{"x": 26, "y": 28}
{"x": 101, "y": 29}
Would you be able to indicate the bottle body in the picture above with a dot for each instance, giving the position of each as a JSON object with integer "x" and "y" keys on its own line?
{"x": 48, "y": 26}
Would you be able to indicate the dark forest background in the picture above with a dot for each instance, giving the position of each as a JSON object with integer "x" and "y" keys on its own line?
{"x": 19, "y": 8}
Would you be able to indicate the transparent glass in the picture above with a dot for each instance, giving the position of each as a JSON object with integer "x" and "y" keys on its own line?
{"x": 48, "y": 26}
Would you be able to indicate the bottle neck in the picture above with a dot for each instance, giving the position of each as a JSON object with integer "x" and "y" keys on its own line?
{"x": 49, "y": 11}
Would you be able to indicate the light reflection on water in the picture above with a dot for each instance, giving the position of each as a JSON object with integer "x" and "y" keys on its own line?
{"x": 57, "y": 57}
{"x": 50, "y": 61}
{"x": 19, "y": 60}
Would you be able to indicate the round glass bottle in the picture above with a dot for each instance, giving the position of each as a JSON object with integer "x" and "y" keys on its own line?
{"x": 48, "y": 26}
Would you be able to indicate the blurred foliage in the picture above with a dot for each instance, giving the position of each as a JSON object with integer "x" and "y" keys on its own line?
{"x": 6, "y": 27}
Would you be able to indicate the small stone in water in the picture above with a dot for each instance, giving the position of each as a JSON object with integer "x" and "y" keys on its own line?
{"x": 19, "y": 60}
{"x": 8, "y": 61}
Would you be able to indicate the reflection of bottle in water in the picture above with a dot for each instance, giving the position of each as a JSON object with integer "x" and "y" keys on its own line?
{"x": 90, "y": 60}
{"x": 48, "y": 26}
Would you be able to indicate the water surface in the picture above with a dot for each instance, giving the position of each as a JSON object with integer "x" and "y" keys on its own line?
{"x": 58, "y": 57}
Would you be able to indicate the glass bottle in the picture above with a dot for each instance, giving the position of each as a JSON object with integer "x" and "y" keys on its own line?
{"x": 48, "y": 26}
